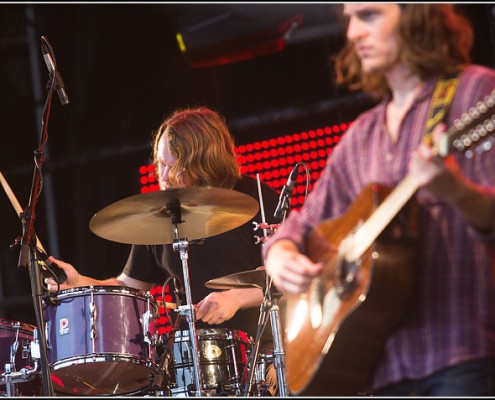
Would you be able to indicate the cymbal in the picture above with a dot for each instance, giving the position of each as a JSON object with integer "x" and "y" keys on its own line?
{"x": 148, "y": 218}
{"x": 255, "y": 278}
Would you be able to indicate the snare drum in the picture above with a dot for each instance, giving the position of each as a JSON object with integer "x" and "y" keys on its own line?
{"x": 223, "y": 356}
{"x": 15, "y": 350}
{"x": 101, "y": 340}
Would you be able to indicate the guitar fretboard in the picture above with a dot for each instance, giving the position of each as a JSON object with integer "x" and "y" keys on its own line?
{"x": 381, "y": 217}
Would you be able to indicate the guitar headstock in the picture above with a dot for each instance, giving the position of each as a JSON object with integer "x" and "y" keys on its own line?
{"x": 473, "y": 130}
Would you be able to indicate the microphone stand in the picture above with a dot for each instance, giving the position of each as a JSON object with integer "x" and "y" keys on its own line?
{"x": 270, "y": 306}
{"x": 286, "y": 205}
{"x": 28, "y": 254}
{"x": 28, "y": 257}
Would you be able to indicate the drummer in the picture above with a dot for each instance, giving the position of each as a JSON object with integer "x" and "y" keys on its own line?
{"x": 193, "y": 147}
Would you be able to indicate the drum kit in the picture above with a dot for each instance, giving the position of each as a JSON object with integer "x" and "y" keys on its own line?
{"x": 102, "y": 340}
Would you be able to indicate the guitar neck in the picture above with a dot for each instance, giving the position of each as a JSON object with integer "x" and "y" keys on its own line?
{"x": 369, "y": 231}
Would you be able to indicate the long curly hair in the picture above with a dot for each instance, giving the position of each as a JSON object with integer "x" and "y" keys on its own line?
{"x": 434, "y": 39}
{"x": 200, "y": 141}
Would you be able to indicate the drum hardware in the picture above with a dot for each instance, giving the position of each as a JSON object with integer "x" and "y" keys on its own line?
{"x": 258, "y": 279}
{"x": 11, "y": 377}
{"x": 260, "y": 374}
{"x": 270, "y": 306}
{"x": 268, "y": 229}
{"x": 182, "y": 245}
{"x": 200, "y": 211}
{"x": 29, "y": 254}
{"x": 162, "y": 384}
{"x": 254, "y": 357}
{"x": 278, "y": 348}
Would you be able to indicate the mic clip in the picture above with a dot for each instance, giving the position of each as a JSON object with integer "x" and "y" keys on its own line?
{"x": 283, "y": 205}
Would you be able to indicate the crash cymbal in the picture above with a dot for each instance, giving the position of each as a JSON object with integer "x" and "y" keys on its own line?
{"x": 255, "y": 278}
{"x": 147, "y": 218}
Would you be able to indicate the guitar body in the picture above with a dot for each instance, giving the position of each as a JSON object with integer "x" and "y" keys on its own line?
{"x": 337, "y": 329}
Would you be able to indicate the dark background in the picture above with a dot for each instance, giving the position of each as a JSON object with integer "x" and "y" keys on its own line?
{"x": 124, "y": 72}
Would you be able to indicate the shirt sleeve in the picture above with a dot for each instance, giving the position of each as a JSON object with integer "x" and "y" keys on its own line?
{"x": 143, "y": 264}
{"x": 330, "y": 197}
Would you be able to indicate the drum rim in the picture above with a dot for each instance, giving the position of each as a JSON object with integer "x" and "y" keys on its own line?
{"x": 10, "y": 324}
{"x": 105, "y": 357}
{"x": 100, "y": 290}
{"x": 216, "y": 334}
{"x": 61, "y": 365}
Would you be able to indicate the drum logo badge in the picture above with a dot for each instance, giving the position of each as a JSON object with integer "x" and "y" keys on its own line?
{"x": 63, "y": 326}
{"x": 212, "y": 352}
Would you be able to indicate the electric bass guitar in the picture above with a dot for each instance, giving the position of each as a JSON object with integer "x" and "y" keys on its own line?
{"x": 335, "y": 331}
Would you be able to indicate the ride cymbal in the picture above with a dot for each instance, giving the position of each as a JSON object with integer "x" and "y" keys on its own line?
{"x": 149, "y": 218}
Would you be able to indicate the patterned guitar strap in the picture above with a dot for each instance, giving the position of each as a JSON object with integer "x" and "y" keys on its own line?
{"x": 442, "y": 97}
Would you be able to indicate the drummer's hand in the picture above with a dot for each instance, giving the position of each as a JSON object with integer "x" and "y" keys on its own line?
{"x": 73, "y": 277}
{"x": 291, "y": 271}
{"x": 217, "y": 307}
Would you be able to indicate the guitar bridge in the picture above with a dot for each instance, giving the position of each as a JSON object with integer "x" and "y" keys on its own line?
{"x": 346, "y": 278}
{"x": 347, "y": 270}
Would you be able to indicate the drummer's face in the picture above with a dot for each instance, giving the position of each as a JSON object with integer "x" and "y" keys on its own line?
{"x": 165, "y": 162}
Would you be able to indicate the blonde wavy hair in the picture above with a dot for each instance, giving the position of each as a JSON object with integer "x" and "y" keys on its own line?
{"x": 200, "y": 141}
{"x": 434, "y": 39}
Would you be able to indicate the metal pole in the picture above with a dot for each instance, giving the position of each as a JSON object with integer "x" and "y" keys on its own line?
{"x": 34, "y": 56}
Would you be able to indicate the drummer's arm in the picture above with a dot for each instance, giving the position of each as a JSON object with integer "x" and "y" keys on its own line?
{"x": 75, "y": 279}
{"x": 248, "y": 297}
{"x": 124, "y": 280}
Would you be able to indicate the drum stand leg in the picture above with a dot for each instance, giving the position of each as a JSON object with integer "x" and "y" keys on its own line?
{"x": 9, "y": 384}
{"x": 278, "y": 348}
{"x": 188, "y": 310}
{"x": 270, "y": 303}
{"x": 254, "y": 356}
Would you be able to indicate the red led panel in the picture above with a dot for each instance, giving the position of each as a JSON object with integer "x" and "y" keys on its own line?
{"x": 273, "y": 159}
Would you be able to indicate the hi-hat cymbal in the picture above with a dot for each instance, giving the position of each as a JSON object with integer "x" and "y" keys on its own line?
{"x": 148, "y": 218}
{"x": 255, "y": 278}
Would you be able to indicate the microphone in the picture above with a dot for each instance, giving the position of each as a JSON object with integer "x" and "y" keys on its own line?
{"x": 59, "y": 83}
{"x": 286, "y": 192}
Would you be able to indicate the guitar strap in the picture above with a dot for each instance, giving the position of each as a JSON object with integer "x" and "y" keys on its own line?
{"x": 442, "y": 97}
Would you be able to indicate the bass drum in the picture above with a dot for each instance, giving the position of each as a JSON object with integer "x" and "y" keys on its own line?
{"x": 15, "y": 350}
{"x": 101, "y": 340}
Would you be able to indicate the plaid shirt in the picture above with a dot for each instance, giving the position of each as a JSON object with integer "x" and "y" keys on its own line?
{"x": 453, "y": 309}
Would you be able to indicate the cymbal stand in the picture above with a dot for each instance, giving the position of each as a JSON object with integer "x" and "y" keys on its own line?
{"x": 262, "y": 320}
{"x": 270, "y": 305}
{"x": 278, "y": 347}
{"x": 182, "y": 245}
{"x": 270, "y": 302}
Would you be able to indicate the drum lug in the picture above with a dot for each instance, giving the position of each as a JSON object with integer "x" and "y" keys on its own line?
{"x": 92, "y": 319}
{"x": 48, "y": 325}
{"x": 148, "y": 338}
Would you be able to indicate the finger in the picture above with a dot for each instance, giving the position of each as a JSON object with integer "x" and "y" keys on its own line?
{"x": 216, "y": 321}
{"x": 438, "y": 131}
{"x": 204, "y": 309}
{"x": 51, "y": 285}
{"x": 209, "y": 316}
{"x": 303, "y": 270}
